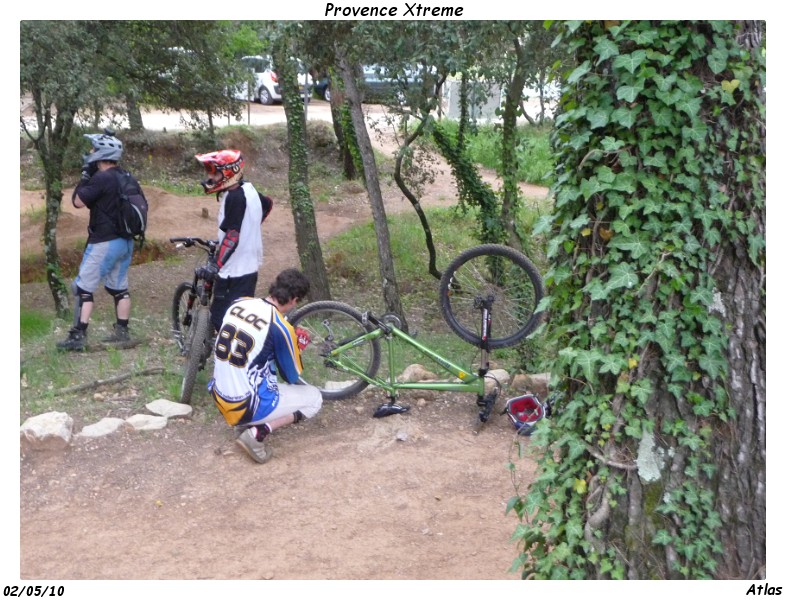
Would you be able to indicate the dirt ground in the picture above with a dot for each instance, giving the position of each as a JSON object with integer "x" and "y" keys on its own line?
{"x": 346, "y": 497}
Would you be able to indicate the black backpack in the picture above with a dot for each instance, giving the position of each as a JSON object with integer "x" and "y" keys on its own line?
{"x": 132, "y": 208}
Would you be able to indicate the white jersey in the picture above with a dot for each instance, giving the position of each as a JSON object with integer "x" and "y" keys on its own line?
{"x": 247, "y": 257}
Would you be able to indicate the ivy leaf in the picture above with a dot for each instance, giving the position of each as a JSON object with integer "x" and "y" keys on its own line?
{"x": 622, "y": 275}
{"x": 691, "y": 107}
{"x": 701, "y": 296}
{"x": 630, "y": 62}
{"x": 610, "y": 144}
{"x": 612, "y": 363}
{"x": 657, "y": 160}
{"x": 543, "y": 224}
{"x": 696, "y": 132}
{"x": 629, "y": 93}
{"x": 712, "y": 364}
{"x": 717, "y": 59}
{"x": 662, "y": 118}
{"x": 579, "y": 72}
{"x": 730, "y": 86}
{"x": 598, "y": 117}
{"x": 574, "y": 530}
{"x": 641, "y": 390}
{"x": 624, "y": 116}
{"x": 586, "y": 360}
{"x": 605, "y": 48}
{"x": 588, "y": 187}
{"x": 662, "y": 537}
{"x": 637, "y": 244}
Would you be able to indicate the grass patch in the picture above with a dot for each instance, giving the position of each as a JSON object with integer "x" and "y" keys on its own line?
{"x": 536, "y": 163}
{"x": 33, "y": 324}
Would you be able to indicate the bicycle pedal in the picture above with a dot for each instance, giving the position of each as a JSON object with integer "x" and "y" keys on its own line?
{"x": 390, "y": 408}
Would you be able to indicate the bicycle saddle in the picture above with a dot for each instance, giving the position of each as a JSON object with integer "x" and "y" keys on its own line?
{"x": 390, "y": 408}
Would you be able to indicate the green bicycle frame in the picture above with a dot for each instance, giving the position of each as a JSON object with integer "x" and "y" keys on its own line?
{"x": 468, "y": 381}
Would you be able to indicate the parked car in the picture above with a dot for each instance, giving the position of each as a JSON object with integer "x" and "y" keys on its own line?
{"x": 322, "y": 88}
{"x": 266, "y": 88}
{"x": 376, "y": 86}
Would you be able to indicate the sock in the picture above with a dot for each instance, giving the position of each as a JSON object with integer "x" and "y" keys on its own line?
{"x": 261, "y": 432}
{"x": 122, "y": 322}
{"x": 82, "y": 326}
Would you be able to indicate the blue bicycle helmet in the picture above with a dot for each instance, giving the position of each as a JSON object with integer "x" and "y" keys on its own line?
{"x": 105, "y": 147}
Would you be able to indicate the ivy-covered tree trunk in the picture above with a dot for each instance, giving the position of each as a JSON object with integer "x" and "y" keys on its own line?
{"x": 511, "y": 194}
{"x": 654, "y": 463}
{"x": 306, "y": 238}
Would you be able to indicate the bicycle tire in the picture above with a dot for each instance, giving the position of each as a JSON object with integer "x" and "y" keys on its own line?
{"x": 195, "y": 352}
{"x": 328, "y": 323}
{"x": 182, "y": 315}
{"x": 498, "y": 271}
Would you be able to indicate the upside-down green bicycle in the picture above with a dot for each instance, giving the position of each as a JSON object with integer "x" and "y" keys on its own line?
{"x": 482, "y": 282}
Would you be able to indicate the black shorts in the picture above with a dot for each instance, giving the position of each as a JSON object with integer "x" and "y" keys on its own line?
{"x": 226, "y": 291}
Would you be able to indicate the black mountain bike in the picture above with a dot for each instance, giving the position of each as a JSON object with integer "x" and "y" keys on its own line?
{"x": 191, "y": 325}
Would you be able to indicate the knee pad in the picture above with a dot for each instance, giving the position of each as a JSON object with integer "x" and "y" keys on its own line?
{"x": 82, "y": 295}
{"x": 117, "y": 295}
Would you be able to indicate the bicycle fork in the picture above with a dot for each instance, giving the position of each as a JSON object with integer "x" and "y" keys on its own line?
{"x": 485, "y": 401}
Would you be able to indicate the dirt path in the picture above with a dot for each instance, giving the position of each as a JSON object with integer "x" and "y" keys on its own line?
{"x": 413, "y": 497}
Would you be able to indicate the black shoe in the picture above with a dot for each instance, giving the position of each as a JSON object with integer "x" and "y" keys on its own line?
{"x": 119, "y": 335}
{"x": 76, "y": 341}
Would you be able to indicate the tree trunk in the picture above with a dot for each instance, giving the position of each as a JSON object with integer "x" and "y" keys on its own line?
{"x": 509, "y": 157}
{"x": 387, "y": 272}
{"x": 658, "y": 304}
{"x": 306, "y": 235}
{"x": 413, "y": 200}
{"x": 739, "y": 447}
{"x": 54, "y": 277}
{"x": 134, "y": 114}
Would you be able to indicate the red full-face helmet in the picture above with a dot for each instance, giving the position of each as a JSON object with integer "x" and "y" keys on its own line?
{"x": 224, "y": 169}
{"x": 524, "y": 411}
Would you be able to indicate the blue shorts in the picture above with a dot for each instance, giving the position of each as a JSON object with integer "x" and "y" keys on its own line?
{"x": 107, "y": 262}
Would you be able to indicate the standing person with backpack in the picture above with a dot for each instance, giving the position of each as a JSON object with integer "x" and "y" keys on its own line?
{"x": 241, "y": 212}
{"x": 108, "y": 252}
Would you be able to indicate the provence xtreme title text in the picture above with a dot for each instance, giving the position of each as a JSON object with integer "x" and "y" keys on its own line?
{"x": 410, "y": 9}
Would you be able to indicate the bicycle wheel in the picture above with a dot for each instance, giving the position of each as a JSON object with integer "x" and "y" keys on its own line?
{"x": 330, "y": 324}
{"x": 195, "y": 351}
{"x": 502, "y": 274}
{"x": 183, "y": 313}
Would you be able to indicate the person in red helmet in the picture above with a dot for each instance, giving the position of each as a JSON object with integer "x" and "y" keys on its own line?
{"x": 242, "y": 210}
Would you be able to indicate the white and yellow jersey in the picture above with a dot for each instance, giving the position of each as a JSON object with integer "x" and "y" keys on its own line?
{"x": 255, "y": 346}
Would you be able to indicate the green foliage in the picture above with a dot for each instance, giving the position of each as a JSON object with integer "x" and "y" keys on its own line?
{"x": 32, "y": 324}
{"x": 535, "y": 159}
{"x": 660, "y": 170}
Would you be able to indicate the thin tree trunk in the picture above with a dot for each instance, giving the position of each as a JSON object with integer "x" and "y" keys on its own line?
{"x": 509, "y": 158}
{"x": 390, "y": 291}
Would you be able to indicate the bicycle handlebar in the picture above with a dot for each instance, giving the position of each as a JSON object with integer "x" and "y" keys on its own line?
{"x": 208, "y": 245}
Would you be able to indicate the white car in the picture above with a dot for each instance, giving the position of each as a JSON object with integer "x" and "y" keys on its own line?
{"x": 266, "y": 88}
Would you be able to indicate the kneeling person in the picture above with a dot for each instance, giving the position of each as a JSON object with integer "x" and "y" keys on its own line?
{"x": 258, "y": 365}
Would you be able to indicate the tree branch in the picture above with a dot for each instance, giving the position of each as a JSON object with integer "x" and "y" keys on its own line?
{"x": 99, "y": 382}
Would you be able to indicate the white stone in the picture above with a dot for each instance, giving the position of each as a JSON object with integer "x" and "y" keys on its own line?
{"x": 105, "y": 426}
{"x": 414, "y": 373}
{"x": 537, "y": 383}
{"x": 167, "y": 408}
{"x": 494, "y": 376}
{"x": 146, "y": 422}
{"x": 47, "y": 430}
